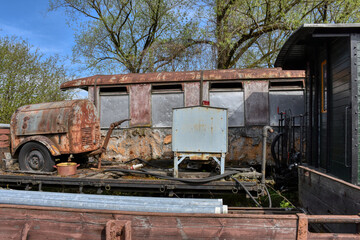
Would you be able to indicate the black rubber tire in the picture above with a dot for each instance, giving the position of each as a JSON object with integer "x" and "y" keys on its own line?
{"x": 36, "y": 157}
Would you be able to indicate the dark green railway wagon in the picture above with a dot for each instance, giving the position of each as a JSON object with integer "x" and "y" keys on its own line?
{"x": 330, "y": 54}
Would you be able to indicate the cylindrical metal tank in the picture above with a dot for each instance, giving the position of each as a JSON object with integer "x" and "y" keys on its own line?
{"x": 66, "y": 127}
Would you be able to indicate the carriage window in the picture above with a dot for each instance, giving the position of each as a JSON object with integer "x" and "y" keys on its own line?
{"x": 285, "y": 101}
{"x": 229, "y": 95}
{"x": 114, "y": 106}
{"x": 163, "y": 99}
{"x": 323, "y": 87}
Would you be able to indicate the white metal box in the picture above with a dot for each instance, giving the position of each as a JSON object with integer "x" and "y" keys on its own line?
{"x": 200, "y": 129}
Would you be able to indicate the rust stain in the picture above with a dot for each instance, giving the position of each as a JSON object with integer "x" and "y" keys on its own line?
{"x": 4, "y": 142}
{"x": 24, "y": 126}
{"x": 150, "y": 144}
{"x": 168, "y": 139}
{"x": 19, "y": 221}
{"x": 192, "y": 94}
{"x": 63, "y": 127}
{"x": 140, "y": 105}
{"x": 190, "y": 76}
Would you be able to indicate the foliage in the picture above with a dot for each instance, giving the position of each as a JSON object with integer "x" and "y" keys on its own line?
{"x": 280, "y": 199}
{"x": 27, "y": 77}
{"x": 249, "y": 33}
{"x": 172, "y": 35}
{"x": 135, "y": 36}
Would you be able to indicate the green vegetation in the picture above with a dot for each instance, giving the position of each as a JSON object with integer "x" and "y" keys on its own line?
{"x": 172, "y": 35}
{"x": 280, "y": 199}
{"x": 27, "y": 77}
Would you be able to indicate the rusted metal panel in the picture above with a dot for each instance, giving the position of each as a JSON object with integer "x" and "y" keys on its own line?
{"x": 206, "y": 96}
{"x": 54, "y": 150}
{"x": 191, "y": 76}
{"x": 5, "y": 138}
{"x": 140, "y": 105}
{"x": 192, "y": 94}
{"x": 118, "y": 230}
{"x": 4, "y": 141}
{"x": 303, "y": 232}
{"x": 303, "y": 226}
{"x": 67, "y": 126}
{"x": 256, "y": 103}
{"x": 91, "y": 94}
{"x": 244, "y": 145}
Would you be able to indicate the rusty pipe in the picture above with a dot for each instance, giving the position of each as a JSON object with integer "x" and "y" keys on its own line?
{"x": 263, "y": 166}
{"x": 112, "y": 127}
{"x": 106, "y": 140}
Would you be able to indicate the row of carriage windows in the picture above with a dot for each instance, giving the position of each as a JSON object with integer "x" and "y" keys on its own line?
{"x": 114, "y": 102}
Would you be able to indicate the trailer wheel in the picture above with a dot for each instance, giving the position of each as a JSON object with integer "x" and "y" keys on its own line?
{"x": 35, "y": 157}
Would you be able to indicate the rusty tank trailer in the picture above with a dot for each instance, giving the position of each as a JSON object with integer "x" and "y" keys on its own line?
{"x": 42, "y": 132}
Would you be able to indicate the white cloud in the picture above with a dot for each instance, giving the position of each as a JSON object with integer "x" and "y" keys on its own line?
{"x": 35, "y": 39}
{"x": 11, "y": 30}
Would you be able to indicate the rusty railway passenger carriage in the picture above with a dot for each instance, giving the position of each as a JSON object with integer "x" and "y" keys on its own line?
{"x": 317, "y": 78}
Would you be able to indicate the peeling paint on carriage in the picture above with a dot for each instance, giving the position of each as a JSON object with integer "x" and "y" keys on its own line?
{"x": 67, "y": 127}
{"x": 191, "y": 76}
{"x": 149, "y": 144}
{"x": 146, "y": 138}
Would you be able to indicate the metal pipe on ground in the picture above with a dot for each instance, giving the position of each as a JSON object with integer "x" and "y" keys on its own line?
{"x": 114, "y": 199}
{"x": 70, "y": 201}
{"x": 75, "y": 196}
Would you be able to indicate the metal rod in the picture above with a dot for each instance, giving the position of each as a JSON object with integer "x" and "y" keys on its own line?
{"x": 263, "y": 166}
{"x": 293, "y": 134}
{"x": 346, "y": 137}
{"x": 201, "y": 87}
{"x": 301, "y": 137}
{"x": 47, "y": 199}
{"x": 110, "y": 198}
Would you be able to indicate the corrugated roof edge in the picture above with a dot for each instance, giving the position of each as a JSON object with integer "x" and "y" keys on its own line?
{"x": 190, "y": 76}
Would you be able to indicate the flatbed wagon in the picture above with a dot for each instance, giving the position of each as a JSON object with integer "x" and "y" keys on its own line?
{"x": 33, "y": 222}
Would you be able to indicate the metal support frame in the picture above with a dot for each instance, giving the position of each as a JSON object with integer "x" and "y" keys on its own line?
{"x": 176, "y": 164}
{"x": 221, "y": 162}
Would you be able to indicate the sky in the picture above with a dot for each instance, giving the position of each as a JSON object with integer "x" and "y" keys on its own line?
{"x": 47, "y": 31}
{"x": 30, "y": 20}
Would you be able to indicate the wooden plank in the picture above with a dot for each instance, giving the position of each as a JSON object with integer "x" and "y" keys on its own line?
{"x": 321, "y": 194}
{"x": 60, "y": 223}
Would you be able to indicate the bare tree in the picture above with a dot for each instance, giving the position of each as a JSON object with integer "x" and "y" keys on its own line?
{"x": 135, "y": 36}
